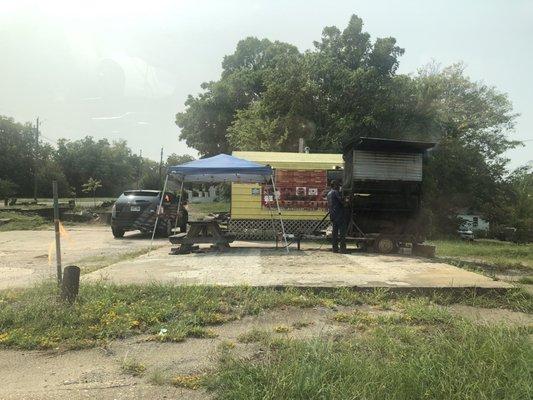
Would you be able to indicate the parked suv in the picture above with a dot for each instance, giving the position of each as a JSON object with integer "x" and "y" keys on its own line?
{"x": 137, "y": 210}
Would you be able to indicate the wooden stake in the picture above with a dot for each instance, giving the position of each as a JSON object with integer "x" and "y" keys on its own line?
{"x": 58, "y": 236}
{"x": 71, "y": 283}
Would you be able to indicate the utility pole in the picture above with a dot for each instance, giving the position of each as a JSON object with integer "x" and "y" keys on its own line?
{"x": 35, "y": 155}
{"x": 160, "y": 167}
{"x": 140, "y": 169}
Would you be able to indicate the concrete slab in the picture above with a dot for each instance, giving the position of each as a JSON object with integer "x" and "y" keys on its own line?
{"x": 312, "y": 267}
{"x": 24, "y": 255}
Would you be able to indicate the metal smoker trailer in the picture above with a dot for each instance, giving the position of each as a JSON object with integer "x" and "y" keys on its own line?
{"x": 383, "y": 187}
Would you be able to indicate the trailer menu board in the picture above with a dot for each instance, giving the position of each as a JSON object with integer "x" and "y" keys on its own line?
{"x": 297, "y": 190}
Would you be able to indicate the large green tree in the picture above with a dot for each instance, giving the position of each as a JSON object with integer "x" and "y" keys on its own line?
{"x": 346, "y": 84}
{"x": 111, "y": 163}
{"x": 207, "y": 117}
{"x": 21, "y": 156}
{"x": 17, "y": 153}
{"x": 471, "y": 123}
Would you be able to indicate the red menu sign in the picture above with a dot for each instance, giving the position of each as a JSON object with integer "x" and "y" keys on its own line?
{"x": 297, "y": 190}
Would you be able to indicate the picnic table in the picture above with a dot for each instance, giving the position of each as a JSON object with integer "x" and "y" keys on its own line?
{"x": 201, "y": 232}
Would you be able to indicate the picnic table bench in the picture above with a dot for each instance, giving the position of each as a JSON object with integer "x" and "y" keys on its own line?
{"x": 201, "y": 232}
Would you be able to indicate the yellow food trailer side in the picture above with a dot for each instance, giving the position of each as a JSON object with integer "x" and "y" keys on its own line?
{"x": 250, "y": 215}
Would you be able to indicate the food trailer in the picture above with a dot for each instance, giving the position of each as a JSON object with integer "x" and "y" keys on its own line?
{"x": 301, "y": 183}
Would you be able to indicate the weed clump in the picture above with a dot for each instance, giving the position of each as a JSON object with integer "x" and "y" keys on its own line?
{"x": 133, "y": 367}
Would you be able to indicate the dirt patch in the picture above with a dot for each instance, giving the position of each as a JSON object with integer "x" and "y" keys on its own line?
{"x": 86, "y": 374}
{"x": 492, "y": 315}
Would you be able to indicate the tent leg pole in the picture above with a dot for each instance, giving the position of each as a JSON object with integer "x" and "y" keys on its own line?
{"x": 273, "y": 224}
{"x": 179, "y": 206}
{"x": 157, "y": 211}
{"x": 279, "y": 214}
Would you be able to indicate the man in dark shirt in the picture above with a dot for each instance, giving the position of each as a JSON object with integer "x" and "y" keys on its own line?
{"x": 337, "y": 217}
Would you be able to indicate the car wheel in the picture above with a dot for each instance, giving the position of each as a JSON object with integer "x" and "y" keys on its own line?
{"x": 385, "y": 245}
{"x": 117, "y": 232}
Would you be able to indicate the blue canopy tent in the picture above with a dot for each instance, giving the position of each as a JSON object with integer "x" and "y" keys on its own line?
{"x": 222, "y": 168}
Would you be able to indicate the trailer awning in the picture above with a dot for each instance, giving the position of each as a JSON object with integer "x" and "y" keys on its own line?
{"x": 221, "y": 168}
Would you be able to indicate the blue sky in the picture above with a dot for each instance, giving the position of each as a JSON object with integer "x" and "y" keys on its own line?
{"x": 122, "y": 69}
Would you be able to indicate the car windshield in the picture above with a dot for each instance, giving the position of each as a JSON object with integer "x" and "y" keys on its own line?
{"x": 141, "y": 193}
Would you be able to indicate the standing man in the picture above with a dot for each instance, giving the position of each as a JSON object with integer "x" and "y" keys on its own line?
{"x": 337, "y": 217}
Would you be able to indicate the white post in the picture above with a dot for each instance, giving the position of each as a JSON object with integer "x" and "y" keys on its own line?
{"x": 157, "y": 211}
{"x": 179, "y": 205}
{"x": 279, "y": 214}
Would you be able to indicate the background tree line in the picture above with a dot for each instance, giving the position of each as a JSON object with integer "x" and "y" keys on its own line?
{"x": 270, "y": 94}
{"x": 72, "y": 163}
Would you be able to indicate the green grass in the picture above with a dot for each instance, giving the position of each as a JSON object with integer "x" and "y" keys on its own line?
{"x": 132, "y": 367}
{"x": 526, "y": 280}
{"x": 200, "y": 210}
{"x": 36, "y": 319}
{"x": 158, "y": 377}
{"x": 459, "y": 361}
{"x": 301, "y": 324}
{"x": 498, "y": 255}
{"x": 254, "y": 335}
{"x": 22, "y": 222}
{"x": 412, "y": 312}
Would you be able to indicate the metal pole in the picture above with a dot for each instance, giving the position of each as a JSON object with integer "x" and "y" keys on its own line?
{"x": 279, "y": 214}
{"x": 35, "y": 156}
{"x": 58, "y": 236}
{"x": 157, "y": 211}
{"x": 179, "y": 205}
